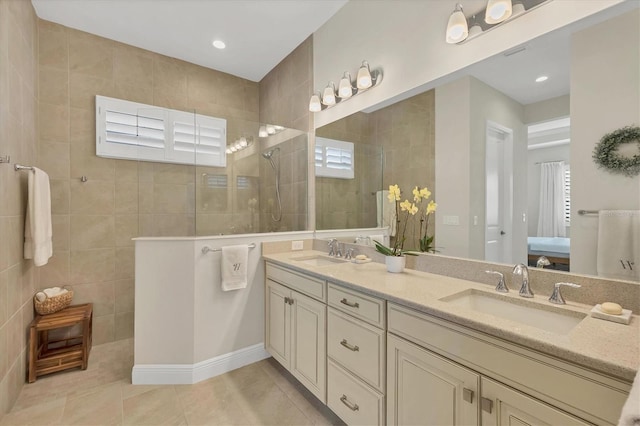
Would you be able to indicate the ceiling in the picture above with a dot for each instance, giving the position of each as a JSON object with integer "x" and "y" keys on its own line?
{"x": 258, "y": 33}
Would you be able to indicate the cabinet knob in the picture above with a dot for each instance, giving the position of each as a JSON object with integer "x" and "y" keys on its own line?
{"x": 348, "y": 346}
{"x": 345, "y": 401}
{"x": 288, "y": 300}
{"x": 486, "y": 404}
{"x": 350, "y": 304}
{"x": 467, "y": 395}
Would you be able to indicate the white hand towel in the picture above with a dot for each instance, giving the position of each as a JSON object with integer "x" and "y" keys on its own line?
{"x": 619, "y": 244}
{"x": 37, "y": 227}
{"x": 630, "y": 415}
{"x": 234, "y": 267}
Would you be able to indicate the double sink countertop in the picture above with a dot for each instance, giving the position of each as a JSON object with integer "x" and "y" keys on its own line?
{"x": 604, "y": 346}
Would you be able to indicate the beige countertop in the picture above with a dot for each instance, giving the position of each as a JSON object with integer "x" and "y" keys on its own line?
{"x": 605, "y": 346}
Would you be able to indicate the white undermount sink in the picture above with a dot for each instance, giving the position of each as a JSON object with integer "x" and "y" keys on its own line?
{"x": 549, "y": 318}
{"x": 318, "y": 260}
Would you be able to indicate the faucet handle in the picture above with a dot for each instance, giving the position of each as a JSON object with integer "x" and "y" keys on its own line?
{"x": 556, "y": 296}
{"x": 501, "y": 287}
{"x": 349, "y": 254}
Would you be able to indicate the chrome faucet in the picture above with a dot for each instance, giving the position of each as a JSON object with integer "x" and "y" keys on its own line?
{"x": 521, "y": 269}
{"x": 349, "y": 254}
{"x": 556, "y": 296}
{"x": 332, "y": 246}
{"x": 501, "y": 286}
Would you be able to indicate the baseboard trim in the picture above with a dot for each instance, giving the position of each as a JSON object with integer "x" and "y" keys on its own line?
{"x": 185, "y": 374}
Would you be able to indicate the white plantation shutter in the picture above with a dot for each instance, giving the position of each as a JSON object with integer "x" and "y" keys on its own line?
{"x": 137, "y": 131}
{"x": 567, "y": 194}
{"x": 334, "y": 158}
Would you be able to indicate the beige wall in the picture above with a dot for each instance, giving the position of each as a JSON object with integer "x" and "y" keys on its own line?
{"x": 95, "y": 221}
{"x": 18, "y": 130}
{"x": 605, "y": 96}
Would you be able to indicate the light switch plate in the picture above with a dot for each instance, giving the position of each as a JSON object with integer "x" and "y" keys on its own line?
{"x": 451, "y": 220}
{"x": 297, "y": 245}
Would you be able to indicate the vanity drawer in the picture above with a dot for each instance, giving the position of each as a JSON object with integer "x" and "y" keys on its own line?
{"x": 574, "y": 389}
{"x": 357, "y": 346}
{"x": 367, "y": 308}
{"x": 310, "y": 286}
{"x": 353, "y": 401}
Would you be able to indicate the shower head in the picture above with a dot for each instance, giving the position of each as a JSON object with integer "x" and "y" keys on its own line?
{"x": 268, "y": 154}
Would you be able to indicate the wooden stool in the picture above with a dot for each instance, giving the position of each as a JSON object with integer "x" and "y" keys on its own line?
{"x": 47, "y": 356}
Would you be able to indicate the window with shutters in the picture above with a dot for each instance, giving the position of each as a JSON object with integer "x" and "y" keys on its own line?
{"x": 334, "y": 158}
{"x": 134, "y": 131}
{"x": 567, "y": 194}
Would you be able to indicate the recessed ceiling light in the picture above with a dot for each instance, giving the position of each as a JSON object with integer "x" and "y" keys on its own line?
{"x": 219, "y": 44}
{"x": 541, "y": 79}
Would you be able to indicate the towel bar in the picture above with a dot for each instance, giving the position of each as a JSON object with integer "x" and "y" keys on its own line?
{"x": 19, "y": 167}
{"x": 584, "y": 212}
{"x": 207, "y": 249}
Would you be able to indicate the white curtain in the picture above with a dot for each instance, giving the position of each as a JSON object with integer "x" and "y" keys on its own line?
{"x": 551, "y": 222}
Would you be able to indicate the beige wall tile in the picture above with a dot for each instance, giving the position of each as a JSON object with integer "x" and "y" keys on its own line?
{"x": 15, "y": 239}
{"x": 14, "y": 289}
{"x": 53, "y": 48}
{"x": 4, "y": 352}
{"x": 92, "y": 231}
{"x": 103, "y": 329}
{"x": 125, "y": 295}
{"x": 53, "y": 123}
{"x": 84, "y": 88}
{"x": 170, "y": 199}
{"x": 4, "y": 301}
{"x": 102, "y": 295}
{"x": 126, "y": 197}
{"x": 127, "y": 171}
{"x": 125, "y": 261}
{"x": 124, "y": 325}
{"x": 90, "y": 266}
{"x": 82, "y": 127}
{"x": 15, "y": 338}
{"x": 60, "y": 230}
{"x": 54, "y": 86}
{"x": 90, "y": 55}
{"x": 60, "y": 196}
{"x": 92, "y": 197}
{"x": 56, "y": 271}
{"x": 126, "y": 229}
{"x": 54, "y": 158}
{"x": 84, "y": 162}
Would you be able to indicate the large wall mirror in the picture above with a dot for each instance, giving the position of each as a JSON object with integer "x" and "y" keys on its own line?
{"x": 488, "y": 139}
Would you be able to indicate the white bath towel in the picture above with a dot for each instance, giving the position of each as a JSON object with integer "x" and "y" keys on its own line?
{"x": 37, "y": 227}
{"x": 619, "y": 244}
{"x": 234, "y": 267}
{"x": 385, "y": 211}
{"x": 630, "y": 415}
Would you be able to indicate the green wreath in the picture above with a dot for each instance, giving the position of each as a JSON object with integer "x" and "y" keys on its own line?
{"x": 606, "y": 152}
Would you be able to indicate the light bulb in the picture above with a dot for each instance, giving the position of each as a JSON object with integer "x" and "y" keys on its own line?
{"x": 345, "y": 90}
{"x": 270, "y": 129}
{"x": 237, "y": 146}
{"x": 233, "y": 148}
{"x": 363, "y": 80}
{"x": 329, "y": 94}
{"x": 262, "y": 131}
{"x": 475, "y": 27}
{"x": 228, "y": 151}
{"x": 497, "y": 11}
{"x": 518, "y": 9}
{"x": 457, "y": 29}
{"x": 278, "y": 128}
{"x": 243, "y": 142}
{"x": 314, "y": 103}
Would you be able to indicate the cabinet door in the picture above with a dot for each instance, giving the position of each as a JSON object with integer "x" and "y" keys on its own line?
{"x": 426, "y": 389}
{"x": 502, "y": 405}
{"x": 308, "y": 344}
{"x": 278, "y": 324}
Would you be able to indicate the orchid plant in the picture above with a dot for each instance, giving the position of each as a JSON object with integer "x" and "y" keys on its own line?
{"x": 410, "y": 210}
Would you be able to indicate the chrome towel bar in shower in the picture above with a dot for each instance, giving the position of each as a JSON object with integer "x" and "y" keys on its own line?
{"x": 207, "y": 249}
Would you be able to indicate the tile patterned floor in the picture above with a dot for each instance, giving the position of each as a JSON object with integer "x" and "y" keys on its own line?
{"x": 258, "y": 394}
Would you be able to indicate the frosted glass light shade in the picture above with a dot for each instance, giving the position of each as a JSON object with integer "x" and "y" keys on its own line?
{"x": 270, "y": 129}
{"x": 457, "y": 29}
{"x": 329, "y": 94}
{"x": 262, "y": 131}
{"x": 497, "y": 11}
{"x": 314, "y": 104}
{"x": 363, "y": 80}
{"x": 345, "y": 90}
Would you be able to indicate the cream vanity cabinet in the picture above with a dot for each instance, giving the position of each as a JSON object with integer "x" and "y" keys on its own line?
{"x": 442, "y": 373}
{"x": 296, "y": 325}
{"x": 356, "y": 350}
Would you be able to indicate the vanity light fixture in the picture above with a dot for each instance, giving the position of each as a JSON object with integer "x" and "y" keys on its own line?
{"x": 239, "y": 144}
{"x": 329, "y": 94}
{"x": 262, "y": 131}
{"x": 457, "y": 29}
{"x": 271, "y": 130}
{"x": 345, "y": 89}
{"x": 498, "y": 11}
{"x": 475, "y": 27}
{"x": 365, "y": 79}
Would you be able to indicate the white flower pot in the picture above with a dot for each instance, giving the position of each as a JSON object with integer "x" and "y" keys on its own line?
{"x": 395, "y": 264}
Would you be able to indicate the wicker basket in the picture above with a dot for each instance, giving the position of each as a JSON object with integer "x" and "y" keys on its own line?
{"x": 53, "y": 304}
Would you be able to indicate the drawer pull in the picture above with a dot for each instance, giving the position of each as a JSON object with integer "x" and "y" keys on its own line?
{"x": 487, "y": 404}
{"x": 467, "y": 395}
{"x": 288, "y": 300}
{"x": 348, "y": 346}
{"x": 350, "y": 304}
{"x": 345, "y": 401}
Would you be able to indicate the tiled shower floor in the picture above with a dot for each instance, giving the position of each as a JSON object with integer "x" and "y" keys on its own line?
{"x": 258, "y": 394}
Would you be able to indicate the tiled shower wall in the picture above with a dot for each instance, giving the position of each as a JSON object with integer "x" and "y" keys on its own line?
{"x": 18, "y": 132}
{"x": 94, "y": 221}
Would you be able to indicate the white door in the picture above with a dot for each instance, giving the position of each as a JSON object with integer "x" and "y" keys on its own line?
{"x": 426, "y": 389}
{"x": 498, "y": 194}
{"x": 308, "y": 344}
{"x": 503, "y": 406}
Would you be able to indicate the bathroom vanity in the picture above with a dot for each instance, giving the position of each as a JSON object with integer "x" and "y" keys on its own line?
{"x": 420, "y": 348}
